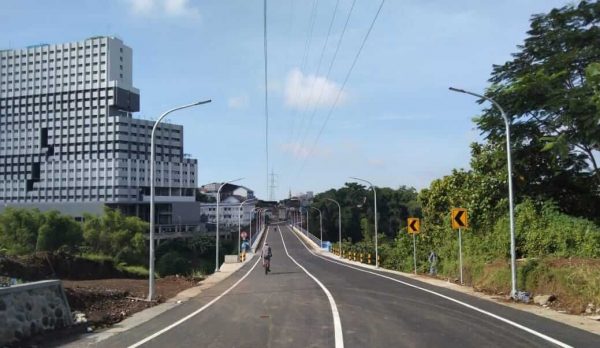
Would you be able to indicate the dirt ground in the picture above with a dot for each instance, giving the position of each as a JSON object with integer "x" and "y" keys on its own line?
{"x": 108, "y": 301}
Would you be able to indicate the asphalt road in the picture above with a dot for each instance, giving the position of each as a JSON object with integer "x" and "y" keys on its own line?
{"x": 313, "y": 301}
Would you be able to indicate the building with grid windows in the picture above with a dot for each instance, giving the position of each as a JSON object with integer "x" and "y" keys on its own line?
{"x": 68, "y": 140}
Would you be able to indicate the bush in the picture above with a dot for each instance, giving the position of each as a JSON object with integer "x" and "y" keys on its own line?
{"x": 58, "y": 232}
{"x": 116, "y": 234}
{"x": 23, "y": 231}
{"x": 173, "y": 263}
{"x": 19, "y": 230}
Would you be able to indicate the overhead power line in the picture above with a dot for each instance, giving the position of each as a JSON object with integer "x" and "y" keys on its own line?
{"x": 329, "y": 69}
{"x": 305, "y": 55}
{"x": 337, "y": 98}
{"x": 312, "y": 87}
{"x": 266, "y": 92}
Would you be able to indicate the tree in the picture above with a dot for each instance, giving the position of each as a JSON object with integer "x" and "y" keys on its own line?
{"x": 19, "y": 230}
{"x": 550, "y": 90}
{"x": 116, "y": 234}
{"x": 358, "y": 215}
{"x": 58, "y": 231}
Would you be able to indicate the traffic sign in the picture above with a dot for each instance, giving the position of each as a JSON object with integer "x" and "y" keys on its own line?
{"x": 459, "y": 218}
{"x": 414, "y": 225}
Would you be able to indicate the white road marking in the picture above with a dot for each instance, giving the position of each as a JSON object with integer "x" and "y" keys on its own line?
{"x": 507, "y": 321}
{"x": 189, "y": 316}
{"x": 337, "y": 323}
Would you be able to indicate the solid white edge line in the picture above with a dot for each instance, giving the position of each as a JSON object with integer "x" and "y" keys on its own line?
{"x": 196, "y": 312}
{"x": 507, "y": 321}
{"x": 337, "y": 323}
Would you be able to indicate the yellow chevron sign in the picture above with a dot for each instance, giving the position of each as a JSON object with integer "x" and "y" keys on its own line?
{"x": 414, "y": 225}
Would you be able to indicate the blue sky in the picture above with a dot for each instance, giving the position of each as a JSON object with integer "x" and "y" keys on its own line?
{"x": 395, "y": 123}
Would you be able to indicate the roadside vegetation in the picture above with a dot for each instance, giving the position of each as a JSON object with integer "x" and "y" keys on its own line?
{"x": 112, "y": 239}
{"x": 551, "y": 92}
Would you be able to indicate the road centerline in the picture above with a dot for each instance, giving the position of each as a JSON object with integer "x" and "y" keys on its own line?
{"x": 337, "y": 323}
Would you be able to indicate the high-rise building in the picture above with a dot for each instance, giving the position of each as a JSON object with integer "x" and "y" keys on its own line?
{"x": 69, "y": 141}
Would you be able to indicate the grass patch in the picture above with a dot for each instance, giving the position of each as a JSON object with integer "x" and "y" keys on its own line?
{"x": 575, "y": 282}
{"x": 140, "y": 271}
{"x": 97, "y": 257}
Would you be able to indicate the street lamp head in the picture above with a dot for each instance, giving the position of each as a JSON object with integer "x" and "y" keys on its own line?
{"x": 228, "y": 182}
{"x": 457, "y": 90}
{"x": 203, "y": 102}
{"x": 363, "y": 180}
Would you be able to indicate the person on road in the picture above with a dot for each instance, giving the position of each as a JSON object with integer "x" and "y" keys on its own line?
{"x": 266, "y": 255}
{"x": 433, "y": 260}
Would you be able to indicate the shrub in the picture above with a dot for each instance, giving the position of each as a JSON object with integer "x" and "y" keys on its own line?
{"x": 19, "y": 230}
{"x": 115, "y": 234}
{"x": 58, "y": 231}
{"x": 173, "y": 263}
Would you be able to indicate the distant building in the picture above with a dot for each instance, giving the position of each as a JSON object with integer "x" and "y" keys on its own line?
{"x": 230, "y": 213}
{"x": 227, "y": 190}
{"x": 68, "y": 140}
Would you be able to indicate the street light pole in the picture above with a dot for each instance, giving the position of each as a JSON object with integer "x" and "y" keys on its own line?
{"x": 320, "y": 223}
{"x": 152, "y": 155}
{"x": 339, "y": 222}
{"x": 513, "y": 256}
{"x": 252, "y": 213}
{"x": 257, "y": 219}
{"x": 297, "y": 221}
{"x": 307, "y": 223}
{"x": 218, "y": 213}
{"x": 375, "y": 201}
{"x": 240, "y": 213}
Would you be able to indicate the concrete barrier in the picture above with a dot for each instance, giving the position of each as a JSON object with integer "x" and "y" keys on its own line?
{"x": 231, "y": 259}
{"x": 257, "y": 240}
{"x": 31, "y": 308}
{"x": 302, "y": 234}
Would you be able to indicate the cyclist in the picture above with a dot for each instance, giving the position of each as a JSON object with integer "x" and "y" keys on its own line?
{"x": 266, "y": 255}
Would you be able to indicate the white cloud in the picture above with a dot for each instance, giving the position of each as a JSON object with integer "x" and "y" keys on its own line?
{"x": 238, "y": 102}
{"x": 302, "y": 91}
{"x": 170, "y": 8}
{"x": 142, "y": 6}
{"x": 180, "y": 8}
{"x": 301, "y": 151}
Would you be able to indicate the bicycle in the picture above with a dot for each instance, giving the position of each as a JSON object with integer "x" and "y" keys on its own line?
{"x": 267, "y": 265}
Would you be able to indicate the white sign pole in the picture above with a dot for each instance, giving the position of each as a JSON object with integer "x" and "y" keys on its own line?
{"x": 460, "y": 254}
{"x": 415, "y": 251}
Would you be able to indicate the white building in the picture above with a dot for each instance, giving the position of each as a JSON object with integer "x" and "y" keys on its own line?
{"x": 227, "y": 190}
{"x": 69, "y": 141}
{"x": 230, "y": 212}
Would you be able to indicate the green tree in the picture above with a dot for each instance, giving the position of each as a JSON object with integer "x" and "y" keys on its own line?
{"x": 19, "y": 230}
{"x": 358, "y": 218}
{"x": 116, "y": 234}
{"x": 58, "y": 231}
{"x": 550, "y": 91}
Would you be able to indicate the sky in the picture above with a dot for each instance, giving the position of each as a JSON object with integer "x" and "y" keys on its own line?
{"x": 394, "y": 123}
